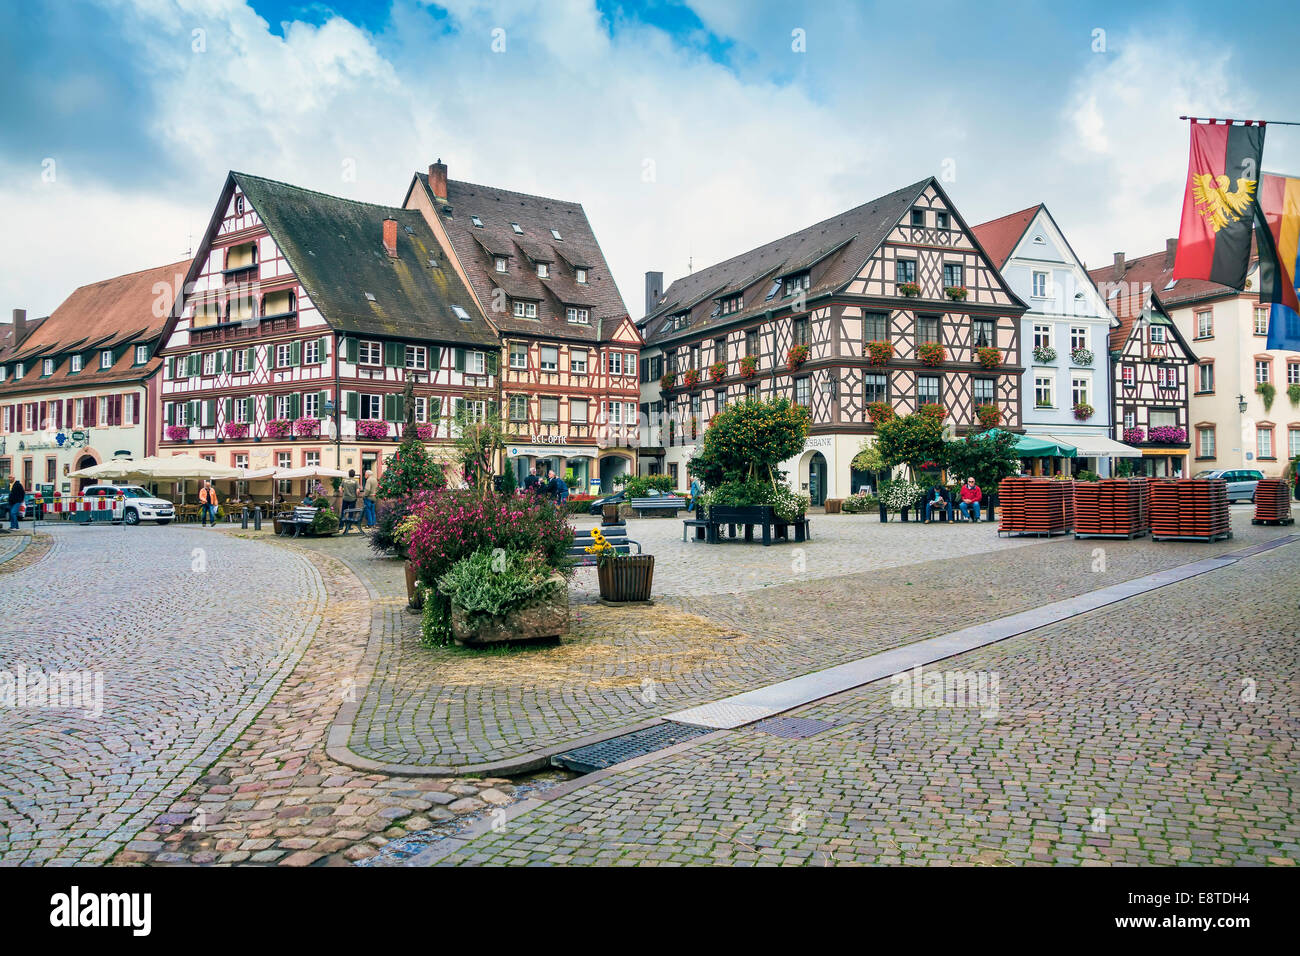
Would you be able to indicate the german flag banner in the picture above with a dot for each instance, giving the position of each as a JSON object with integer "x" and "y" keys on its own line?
{"x": 1278, "y": 237}
{"x": 1219, "y": 202}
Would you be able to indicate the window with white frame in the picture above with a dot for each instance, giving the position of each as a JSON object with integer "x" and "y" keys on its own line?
{"x": 74, "y": 365}
{"x": 1205, "y": 377}
{"x": 614, "y": 413}
{"x": 369, "y": 353}
{"x": 1158, "y": 417}
{"x": 1264, "y": 441}
{"x": 241, "y": 460}
{"x": 20, "y": 370}
{"x": 47, "y": 367}
{"x": 284, "y": 459}
{"x": 803, "y": 391}
{"x": 106, "y": 358}
{"x": 417, "y": 357}
{"x": 500, "y": 263}
{"x": 209, "y": 363}
{"x": 578, "y": 316}
{"x": 1205, "y": 442}
{"x": 543, "y": 270}
{"x": 1080, "y": 389}
{"x": 1040, "y": 284}
{"x": 241, "y": 360}
{"x": 1261, "y": 321}
{"x": 284, "y": 406}
{"x": 518, "y": 355}
{"x": 1042, "y": 336}
{"x": 283, "y": 355}
{"x": 525, "y": 310}
{"x": 311, "y": 459}
{"x": 1045, "y": 390}
{"x": 1127, "y": 376}
{"x": 371, "y": 407}
{"x": 239, "y": 409}
{"x": 1263, "y": 371}
{"x": 311, "y": 405}
{"x": 311, "y": 352}
{"x": 1167, "y": 376}
{"x": 1293, "y": 373}
{"x": 578, "y": 361}
{"x": 1130, "y": 418}
{"x": 421, "y": 409}
{"x": 79, "y": 412}
{"x": 1158, "y": 334}
{"x": 550, "y": 358}
{"x": 1205, "y": 324}
{"x": 1293, "y": 442}
{"x": 580, "y": 276}
{"x": 141, "y": 355}
{"x": 614, "y": 363}
{"x": 1078, "y": 337}
{"x": 519, "y": 408}
{"x": 578, "y": 411}
{"x": 549, "y": 407}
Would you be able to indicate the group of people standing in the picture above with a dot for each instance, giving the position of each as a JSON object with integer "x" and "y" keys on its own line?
{"x": 366, "y": 491}
{"x": 542, "y": 480}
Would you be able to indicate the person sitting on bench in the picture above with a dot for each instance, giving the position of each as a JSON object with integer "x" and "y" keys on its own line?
{"x": 936, "y": 499}
{"x": 970, "y": 499}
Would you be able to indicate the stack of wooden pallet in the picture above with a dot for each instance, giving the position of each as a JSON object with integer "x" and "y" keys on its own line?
{"x": 1111, "y": 508}
{"x": 1272, "y": 502}
{"x": 1190, "y": 509}
{"x": 1035, "y": 506}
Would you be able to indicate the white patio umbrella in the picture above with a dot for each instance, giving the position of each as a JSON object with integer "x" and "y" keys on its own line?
{"x": 309, "y": 471}
{"x": 117, "y": 468}
{"x": 180, "y": 467}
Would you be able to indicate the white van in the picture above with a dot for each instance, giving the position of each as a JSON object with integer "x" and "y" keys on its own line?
{"x": 136, "y": 503}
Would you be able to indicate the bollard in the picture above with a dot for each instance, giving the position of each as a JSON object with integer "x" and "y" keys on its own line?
{"x": 243, "y": 521}
{"x": 257, "y": 518}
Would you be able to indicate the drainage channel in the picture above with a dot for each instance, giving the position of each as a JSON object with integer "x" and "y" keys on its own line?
{"x": 639, "y": 743}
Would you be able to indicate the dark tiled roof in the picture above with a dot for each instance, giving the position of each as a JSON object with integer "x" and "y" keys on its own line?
{"x": 117, "y": 313}
{"x": 834, "y": 250}
{"x": 1000, "y": 236}
{"x": 536, "y": 216}
{"x": 335, "y": 247}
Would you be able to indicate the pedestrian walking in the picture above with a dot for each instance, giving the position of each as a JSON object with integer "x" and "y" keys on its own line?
{"x": 348, "y": 488}
{"x": 17, "y": 502}
{"x": 561, "y": 490}
{"x": 369, "y": 492}
{"x": 207, "y": 504}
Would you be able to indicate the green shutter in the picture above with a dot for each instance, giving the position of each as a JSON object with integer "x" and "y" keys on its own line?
{"x": 492, "y": 409}
{"x": 228, "y": 409}
{"x": 435, "y": 359}
{"x": 435, "y": 409}
{"x": 350, "y": 350}
{"x": 250, "y": 410}
{"x": 210, "y": 413}
{"x": 170, "y": 413}
{"x": 460, "y": 360}
{"x": 270, "y": 407}
{"x": 295, "y": 406}
{"x": 352, "y": 405}
{"x": 493, "y": 358}
{"x": 250, "y": 359}
{"x": 171, "y": 367}
{"x": 229, "y": 360}
{"x": 321, "y": 398}
{"x": 295, "y": 353}
{"x": 389, "y": 407}
{"x": 459, "y": 408}
{"x": 322, "y": 348}
{"x": 399, "y": 404}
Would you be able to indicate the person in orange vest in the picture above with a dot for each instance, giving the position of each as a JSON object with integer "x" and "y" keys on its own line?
{"x": 208, "y": 500}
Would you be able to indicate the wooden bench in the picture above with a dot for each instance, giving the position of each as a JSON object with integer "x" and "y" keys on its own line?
{"x": 667, "y": 503}
{"x": 350, "y": 519}
{"x": 298, "y": 520}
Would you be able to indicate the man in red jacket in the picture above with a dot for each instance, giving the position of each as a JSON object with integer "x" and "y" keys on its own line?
{"x": 970, "y": 499}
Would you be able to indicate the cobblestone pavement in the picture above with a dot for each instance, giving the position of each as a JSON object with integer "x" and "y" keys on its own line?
{"x": 189, "y": 632}
{"x": 1160, "y": 730}
{"x": 18, "y": 551}
{"x": 446, "y": 707}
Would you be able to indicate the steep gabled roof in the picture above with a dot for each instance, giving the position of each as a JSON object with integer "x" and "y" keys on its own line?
{"x": 840, "y": 245}
{"x": 335, "y": 248}
{"x": 999, "y": 237}
{"x": 1127, "y": 292}
{"x": 577, "y": 248}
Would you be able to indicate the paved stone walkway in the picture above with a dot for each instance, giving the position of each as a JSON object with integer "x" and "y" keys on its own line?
{"x": 187, "y": 633}
{"x": 1160, "y": 730}
{"x": 20, "y": 550}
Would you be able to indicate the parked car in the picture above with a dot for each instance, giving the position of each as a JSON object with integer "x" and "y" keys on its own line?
{"x": 618, "y": 497}
{"x": 33, "y": 510}
{"x": 1241, "y": 482}
{"x": 136, "y": 505}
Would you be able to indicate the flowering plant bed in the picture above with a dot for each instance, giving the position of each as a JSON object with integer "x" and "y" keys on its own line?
{"x": 1167, "y": 435}
{"x": 691, "y": 377}
{"x": 989, "y": 357}
{"x": 1134, "y": 436}
{"x": 306, "y": 426}
{"x": 933, "y": 410}
{"x": 1081, "y": 357}
{"x": 718, "y": 371}
{"x": 368, "y": 428}
{"x": 797, "y": 355}
{"x": 235, "y": 429}
{"x": 1044, "y": 353}
{"x": 279, "y": 428}
{"x": 909, "y": 289}
{"x": 749, "y": 366}
{"x": 879, "y": 353}
{"x": 880, "y": 411}
{"x": 177, "y": 432}
{"x": 988, "y": 415}
{"x": 668, "y": 380}
{"x": 932, "y": 354}
{"x": 955, "y": 292}
{"x": 1083, "y": 411}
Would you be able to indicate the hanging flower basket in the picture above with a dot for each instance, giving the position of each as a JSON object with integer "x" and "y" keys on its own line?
{"x": 932, "y": 354}
{"x": 691, "y": 377}
{"x": 797, "y": 355}
{"x": 955, "y": 292}
{"x": 1044, "y": 353}
{"x": 279, "y": 428}
{"x": 718, "y": 371}
{"x": 1082, "y": 411}
{"x": 909, "y": 290}
{"x": 880, "y": 411}
{"x": 989, "y": 357}
{"x": 1134, "y": 436}
{"x": 368, "y": 428}
{"x": 1081, "y": 357}
{"x": 933, "y": 410}
{"x": 235, "y": 429}
{"x": 749, "y": 366}
{"x": 668, "y": 380}
{"x": 879, "y": 353}
{"x": 988, "y": 415}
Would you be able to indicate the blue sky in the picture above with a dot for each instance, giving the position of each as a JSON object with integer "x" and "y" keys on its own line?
{"x": 690, "y": 131}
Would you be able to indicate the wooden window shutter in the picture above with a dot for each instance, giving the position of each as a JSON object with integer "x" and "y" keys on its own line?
{"x": 227, "y": 409}
{"x": 460, "y": 360}
{"x": 322, "y": 347}
{"x": 250, "y": 410}
{"x": 492, "y": 408}
{"x": 171, "y": 366}
{"x": 210, "y": 412}
{"x": 321, "y": 399}
{"x": 250, "y": 359}
{"x": 435, "y": 409}
{"x": 390, "y": 406}
{"x": 67, "y": 413}
{"x": 352, "y": 405}
{"x": 169, "y": 412}
{"x": 435, "y": 358}
{"x": 399, "y": 406}
{"x": 459, "y": 407}
{"x": 295, "y": 353}
{"x": 295, "y": 405}
{"x": 493, "y": 360}
{"x": 270, "y": 407}
{"x": 351, "y": 350}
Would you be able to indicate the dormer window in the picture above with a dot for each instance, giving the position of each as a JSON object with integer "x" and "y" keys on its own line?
{"x": 141, "y": 354}
{"x": 580, "y": 275}
{"x": 732, "y": 304}
{"x": 525, "y": 310}
{"x": 500, "y": 262}
{"x": 519, "y": 231}
{"x": 555, "y": 234}
{"x": 47, "y": 367}
{"x": 106, "y": 358}
{"x": 478, "y": 223}
{"x": 3, "y": 370}
{"x": 795, "y": 283}
{"x": 543, "y": 270}
{"x": 74, "y": 364}
{"x": 19, "y": 370}
{"x": 578, "y": 316}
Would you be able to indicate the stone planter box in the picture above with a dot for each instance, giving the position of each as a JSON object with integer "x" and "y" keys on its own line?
{"x": 548, "y": 620}
{"x": 627, "y": 577}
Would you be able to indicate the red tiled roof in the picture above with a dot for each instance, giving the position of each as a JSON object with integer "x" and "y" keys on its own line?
{"x": 1000, "y": 236}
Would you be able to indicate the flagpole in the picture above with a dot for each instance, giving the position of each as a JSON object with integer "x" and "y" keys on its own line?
{"x": 1203, "y": 119}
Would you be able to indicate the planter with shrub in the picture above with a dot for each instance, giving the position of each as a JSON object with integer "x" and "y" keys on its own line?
{"x": 667, "y": 380}
{"x": 718, "y": 371}
{"x": 749, "y": 366}
{"x": 1081, "y": 357}
{"x": 931, "y": 353}
{"x": 1082, "y": 411}
{"x": 879, "y": 353}
{"x": 279, "y": 428}
{"x": 1044, "y": 353}
{"x": 797, "y": 355}
{"x": 499, "y": 595}
{"x": 880, "y": 411}
{"x": 955, "y": 292}
{"x": 988, "y": 415}
{"x": 909, "y": 290}
{"x": 989, "y": 357}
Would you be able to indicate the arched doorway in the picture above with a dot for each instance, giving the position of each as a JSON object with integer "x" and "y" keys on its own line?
{"x": 611, "y": 466}
{"x": 85, "y": 461}
{"x": 817, "y": 479}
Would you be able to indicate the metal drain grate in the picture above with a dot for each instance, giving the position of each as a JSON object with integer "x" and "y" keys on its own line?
{"x": 617, "y": 749}
{"x": 796, "y": 728}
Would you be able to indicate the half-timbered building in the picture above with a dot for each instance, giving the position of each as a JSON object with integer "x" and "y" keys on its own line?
{"x": 303, "y": 316}
{"x": 569, "y": 383}
{"x": 884, "y": 308}
{"x": 1151, "y": 364}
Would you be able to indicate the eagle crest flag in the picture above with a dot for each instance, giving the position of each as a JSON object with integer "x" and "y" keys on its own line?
{"x": 1219, "y": 203}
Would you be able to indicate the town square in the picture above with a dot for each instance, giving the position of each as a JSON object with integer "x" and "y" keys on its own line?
{"x": 440, "y": 454}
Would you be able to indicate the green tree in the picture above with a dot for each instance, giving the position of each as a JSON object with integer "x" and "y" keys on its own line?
{"x": 910, "y": 440}
{"x": 989, "y": 456}
{"x": 410, "y": 469}
{"x": 748, "y": 440}
{"x": 478, "y": 440}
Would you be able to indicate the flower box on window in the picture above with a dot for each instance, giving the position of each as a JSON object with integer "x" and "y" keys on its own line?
{"x": 1081, "y": 357}
{"x": 306, "y": 426}
{"x": 989, "y": 357}
{"x": 797, "y": 355}
{"x": 932, "y": 354}
{"x": 933, "y": 410}
{"x": 668, "y": 380}
{"x": 178, "y": 432}
{"x": 279, "y": 428}
{"x": 955, "y": 292}
{"x": 749, "y": 366}
{"x": 368, "y": 428}
{"x": 1134, "y": 436}
{"x": 424, "y": 431}
{"x": 879, "y": 353}
{"x": 909, "y": 289}
{"x": 880, "y": 411}
{"x": 1044, "y": 353}
{"x": 1082, "y": 411}
{"x": 235, "y": 429}
{"x": 1167, "y": 435}
{"x": 988, "y": 415}
{"x": 691, "y": 377}
{"x": 718, "y": 371}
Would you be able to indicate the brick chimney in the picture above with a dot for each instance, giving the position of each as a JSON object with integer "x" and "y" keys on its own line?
{"x": 390, "y": 237}
{"x": 20, "y": 326}
{"x": 438, "y": 179}
{"x": 1119, "y": 266}
{"x": 1171, "y": 250}
{"x": 654, "y": 288}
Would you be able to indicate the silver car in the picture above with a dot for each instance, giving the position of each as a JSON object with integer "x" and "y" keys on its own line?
{"x": 1241, "y": 481}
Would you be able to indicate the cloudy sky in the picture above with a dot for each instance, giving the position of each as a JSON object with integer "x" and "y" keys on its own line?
{"x": 690, "y": 131}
